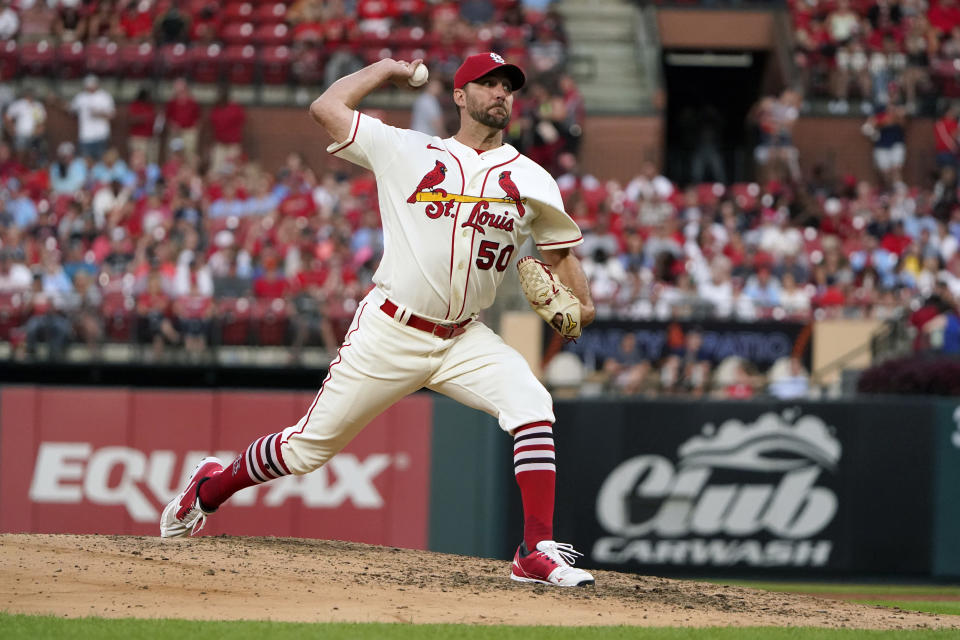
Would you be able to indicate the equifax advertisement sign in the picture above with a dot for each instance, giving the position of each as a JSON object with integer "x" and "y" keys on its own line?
{"x": 764, "y": 487}
{"x": 107, "y": 461}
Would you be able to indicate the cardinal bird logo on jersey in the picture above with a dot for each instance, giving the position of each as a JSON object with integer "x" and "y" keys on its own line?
{"x": 506, "y": 183}
{"x": 429, "y": 181}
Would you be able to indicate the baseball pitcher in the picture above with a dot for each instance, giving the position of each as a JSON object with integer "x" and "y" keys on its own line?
{"x": 454, "y": 212}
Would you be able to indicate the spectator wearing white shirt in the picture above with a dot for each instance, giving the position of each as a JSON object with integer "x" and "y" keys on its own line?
{"x": 794, "y": 300}
{"x": 95, "y": 109}
{"x": 68, "y": 173}
{"x": 26, "y": 120}
{"x": 15, "y": 277}
{"x": 762, "y": 288}
{"x": 649, "y": 182}
{"x": 606, "y": 276}
{"x": 9, "y": 21}
{"x": 718, "y": 288}
{"x": 426, "y": 115}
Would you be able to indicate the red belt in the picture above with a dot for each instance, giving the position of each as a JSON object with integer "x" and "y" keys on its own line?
{"x": 440, "y": 330}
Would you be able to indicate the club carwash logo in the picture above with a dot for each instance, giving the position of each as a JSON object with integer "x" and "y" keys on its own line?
{"x": 743, "y": 493}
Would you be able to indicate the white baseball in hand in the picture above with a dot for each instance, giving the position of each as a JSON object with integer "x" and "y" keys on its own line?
{"x": 419, "y": 77}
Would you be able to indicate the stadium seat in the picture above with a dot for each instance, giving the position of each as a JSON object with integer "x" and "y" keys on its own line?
{"x": 38, "y": 58}
{"x": 71, "y": 60}
{"x": 708, "y": 193}
{"x": 237, "y": 33}
{"x": 119, "y": 318}
{"x": 102, "y": 58}
{"x": 174, "y": 60}
{"x": 206, "y": 63}
{"x": 272, "y": 35}
{"x": 9, "y": 60}
{"x": 238, "y": 12}
{"x": 235, "y": 315}
{"x": 511, "y": 37}
{"x": 240, "y": 64}
{"x": 414, "y": 37}
{"x": 137, "y": 60}
{"x": 307, "y": 64}
{"x": 11, "y": 313}
{"x": 745, "y": 194}
{"x": 271, "y": 322}
{"x": 275, "y": 65}
{"x": 271, "y": 13}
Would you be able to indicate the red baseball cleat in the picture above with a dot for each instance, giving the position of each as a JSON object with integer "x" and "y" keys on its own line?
{"x": 549, "y": 564}
{"x": 183, "y": 515}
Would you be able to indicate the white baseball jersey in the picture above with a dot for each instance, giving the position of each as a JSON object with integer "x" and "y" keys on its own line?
{"x": 452, "y": 218}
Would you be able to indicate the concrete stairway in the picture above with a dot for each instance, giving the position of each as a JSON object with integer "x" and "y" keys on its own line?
{"x": 605, "y": 55}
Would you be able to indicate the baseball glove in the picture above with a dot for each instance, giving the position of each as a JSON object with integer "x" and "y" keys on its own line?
{"x": 550, "y": 298}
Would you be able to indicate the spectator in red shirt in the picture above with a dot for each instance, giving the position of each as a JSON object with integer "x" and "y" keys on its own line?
{"x": 271, "y": 284}
{"x": 944, "y": 16}
{"x": 183, "y": 118}
{"x": 227, "y": 119}
{"x": 945, "y": 137}
{"x": 143, "y": 120}
{"x": 136, "y": 21}
{"x": 153, "y": 309}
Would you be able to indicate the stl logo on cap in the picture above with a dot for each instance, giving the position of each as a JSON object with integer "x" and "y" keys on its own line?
{"x": 497, "y": 58}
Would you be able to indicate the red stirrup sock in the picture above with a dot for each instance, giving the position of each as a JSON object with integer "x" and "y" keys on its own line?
{"x": 536, "y": 471}
{"x": 262, "y": 461}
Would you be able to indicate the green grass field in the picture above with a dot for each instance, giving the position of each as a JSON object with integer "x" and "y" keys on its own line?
{"x": 886, "y": 595}
{"x": 41, "y": 627}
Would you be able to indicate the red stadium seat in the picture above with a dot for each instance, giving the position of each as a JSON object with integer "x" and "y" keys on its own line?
{"x": 103, "y": 58}
{"x": 71, "y": 60}
{"x": 240, "y": 64}
{"x": 414, "y": 37}
{"x": 137, "y": 60}
{"x": 239, "y": 12}
{"x": 9, "y": 60}
{"x": 206, "y": 63}
{"x": 237, "y": 33}
{"x": 37, "y": 58}
{"x": 119, "y": 317}
{"x": 275, "y": 65}
{"x": 11, "y": 313}
{"x": 174, "y": 60}
{"x": 268, "y": 35}
{"x": 307, "y": 65}
{"x": 511, "y": 36}
{"x": 745, "y": 194}
{"x": 708, "y": 193}
{"x": 235, "y": 321}
{"x": 271, "y": 322}
{"x": 271, "y": 13}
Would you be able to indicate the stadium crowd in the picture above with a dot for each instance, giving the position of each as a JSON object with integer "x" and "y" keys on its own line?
{"x": 306, "y": 42}
{"x": 188, "y": 245}
{"x": 849, "y": 49}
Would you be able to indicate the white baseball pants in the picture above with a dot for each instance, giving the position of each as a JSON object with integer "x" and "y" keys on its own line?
{"x": 382, "y": 360}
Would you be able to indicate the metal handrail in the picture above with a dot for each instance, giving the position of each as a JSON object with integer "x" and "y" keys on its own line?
{"x": 892, "y": 328}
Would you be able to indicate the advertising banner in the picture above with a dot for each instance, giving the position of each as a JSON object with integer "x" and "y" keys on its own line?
{"x": 762, "y": 343}
{"x": 708, "y": 487}
{"x": 946, "y": 558}
{"x": 88, "y": 460}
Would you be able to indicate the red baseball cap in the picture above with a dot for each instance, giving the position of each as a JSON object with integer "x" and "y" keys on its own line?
{"x": 480, "y": 64}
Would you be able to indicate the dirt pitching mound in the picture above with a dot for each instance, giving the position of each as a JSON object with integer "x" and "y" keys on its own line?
{"x": 227, "y": 578}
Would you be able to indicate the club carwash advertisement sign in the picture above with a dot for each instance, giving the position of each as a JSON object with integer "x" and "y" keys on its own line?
{"x": 742, "y": 493}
